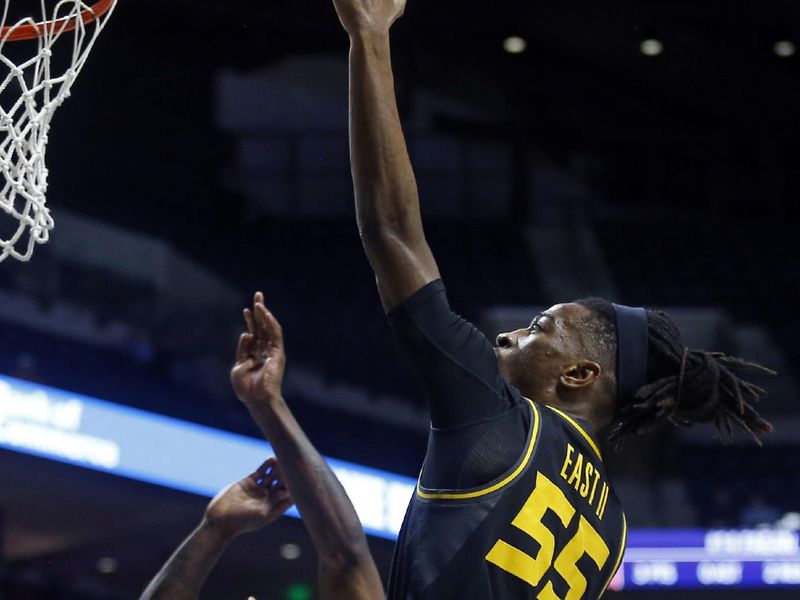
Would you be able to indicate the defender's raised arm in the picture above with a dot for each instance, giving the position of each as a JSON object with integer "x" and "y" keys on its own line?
{"x": 387, "y": 202}
{"x": 346, "y": 568}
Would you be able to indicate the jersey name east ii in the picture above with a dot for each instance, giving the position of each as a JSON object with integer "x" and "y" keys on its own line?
{"x": 550, "y": 529}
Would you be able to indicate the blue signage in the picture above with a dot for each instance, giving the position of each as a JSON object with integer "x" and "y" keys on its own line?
{"x": 99, "y": 435}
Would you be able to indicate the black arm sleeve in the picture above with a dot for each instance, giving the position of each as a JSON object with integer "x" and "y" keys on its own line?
{"x": 454, "y": 360}
{"x": 478, "y": 421}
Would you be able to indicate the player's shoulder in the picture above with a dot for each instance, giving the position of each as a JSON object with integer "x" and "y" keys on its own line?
{"x": 432, "y": 293}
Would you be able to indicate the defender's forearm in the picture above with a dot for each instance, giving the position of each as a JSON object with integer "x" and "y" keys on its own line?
{"x": 327, "y": 512}
{"x": 184, "y": 574}
{"x": 385, "y": 187}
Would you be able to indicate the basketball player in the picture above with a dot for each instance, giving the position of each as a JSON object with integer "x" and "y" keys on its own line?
{"x": 346, "y": 568}
{"x": 513, "y": 500}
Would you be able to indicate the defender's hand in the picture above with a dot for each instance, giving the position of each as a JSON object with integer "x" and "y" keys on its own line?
{"x": 368, "y": 16}
{"x": 249, "y": 504}
{"x": 260, "y": 359}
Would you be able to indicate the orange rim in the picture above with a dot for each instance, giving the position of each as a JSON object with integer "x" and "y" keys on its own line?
{"x": 33, "y": 31}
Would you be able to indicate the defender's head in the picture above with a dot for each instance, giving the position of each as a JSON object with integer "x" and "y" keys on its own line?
{"x": 567, "y": 357}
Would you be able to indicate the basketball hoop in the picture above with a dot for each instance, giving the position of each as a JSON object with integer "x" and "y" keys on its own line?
{"x": 32, "y": 87}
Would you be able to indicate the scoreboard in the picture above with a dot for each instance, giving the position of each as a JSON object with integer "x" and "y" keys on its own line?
{"x": 699, "y": 558}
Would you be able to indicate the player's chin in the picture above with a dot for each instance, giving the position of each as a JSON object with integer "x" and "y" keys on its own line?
{"x": 503, "y": 361}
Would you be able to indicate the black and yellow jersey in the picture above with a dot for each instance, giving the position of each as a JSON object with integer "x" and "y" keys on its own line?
{"x": 551, "y": 528}
{"x": 546, "y": 526}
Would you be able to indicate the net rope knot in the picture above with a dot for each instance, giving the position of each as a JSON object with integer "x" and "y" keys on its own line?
{"x": 36, "y": 76}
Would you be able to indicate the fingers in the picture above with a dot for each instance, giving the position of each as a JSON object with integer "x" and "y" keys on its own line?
{"x": 282, "y": 506}
{"x": 280, "y": 494}
{"x": 270, "y": 479}
{"x": 266, "y": 484}
{"x": 244, "y": 349}
{"x": 248, "y": 319}
{"x": 258, "y": 298}
{"x": 269, "y": 325}
{"x": 265, "y": 472}
{"x": 265, "y": 466}
{"x": 262, "y": 325}
{"x": 278, "y": 490}
{"x": 276, "y": 470}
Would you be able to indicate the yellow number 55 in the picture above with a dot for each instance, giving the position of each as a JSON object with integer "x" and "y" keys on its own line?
{"x": 548, "y": 496}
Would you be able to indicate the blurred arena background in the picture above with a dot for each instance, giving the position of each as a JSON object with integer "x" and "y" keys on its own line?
{"x": 646, "y": 152}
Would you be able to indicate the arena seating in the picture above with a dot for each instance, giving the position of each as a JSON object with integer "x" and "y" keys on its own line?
{"x": 722, "y": 480}
{"x": 318, "y": 282}
{"x": 746, "y": 269}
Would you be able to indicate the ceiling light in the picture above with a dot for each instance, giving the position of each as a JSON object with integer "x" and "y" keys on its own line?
{"x": 514, "y": 45}
{"x": 290, "y": 551}
{"x": 784, "y": 48}
{"x": 651, "y": 47}
{"x": 107, "y": 565}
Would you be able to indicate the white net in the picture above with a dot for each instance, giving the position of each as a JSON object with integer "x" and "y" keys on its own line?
{"x": 41, "y": 58}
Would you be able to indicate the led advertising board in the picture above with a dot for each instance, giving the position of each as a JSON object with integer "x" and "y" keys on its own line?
{"x": 83, "y": 431}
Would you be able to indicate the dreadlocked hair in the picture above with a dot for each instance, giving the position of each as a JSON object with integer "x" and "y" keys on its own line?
{"x": 684, "y": 386}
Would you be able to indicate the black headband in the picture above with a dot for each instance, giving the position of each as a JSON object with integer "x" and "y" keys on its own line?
{"x": 631, "y": 352}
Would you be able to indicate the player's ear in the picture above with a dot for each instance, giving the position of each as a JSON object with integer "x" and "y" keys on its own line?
{"x": 580, "y": 374}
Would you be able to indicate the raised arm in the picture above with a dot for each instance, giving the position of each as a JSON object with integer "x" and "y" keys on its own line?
{"x": 347, "y": 570}
{"x": 387, "y": 201}
{"x": 245, "y": 506}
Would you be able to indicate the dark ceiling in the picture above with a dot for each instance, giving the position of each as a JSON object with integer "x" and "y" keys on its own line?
{"x": 712, "y": 122}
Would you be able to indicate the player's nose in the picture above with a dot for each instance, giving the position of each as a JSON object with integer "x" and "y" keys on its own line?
{"x": 505, "y": 340}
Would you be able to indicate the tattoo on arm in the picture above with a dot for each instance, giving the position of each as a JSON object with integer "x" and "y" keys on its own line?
{"x": 184, "y": 574}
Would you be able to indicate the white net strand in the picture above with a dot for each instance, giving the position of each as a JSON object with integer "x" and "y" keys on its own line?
{"x": 29, "y": 96}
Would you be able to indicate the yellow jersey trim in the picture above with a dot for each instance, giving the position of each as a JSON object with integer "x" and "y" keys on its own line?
{"x": 580, "y": 429}
{"x": 621, "y": 554}
{"x": 494, "y": 487}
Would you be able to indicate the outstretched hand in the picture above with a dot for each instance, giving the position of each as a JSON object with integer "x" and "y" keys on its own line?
{"x": 257, "y": 375}
{"x": 368, "y": 16}
{"x": 251, "y": 503}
